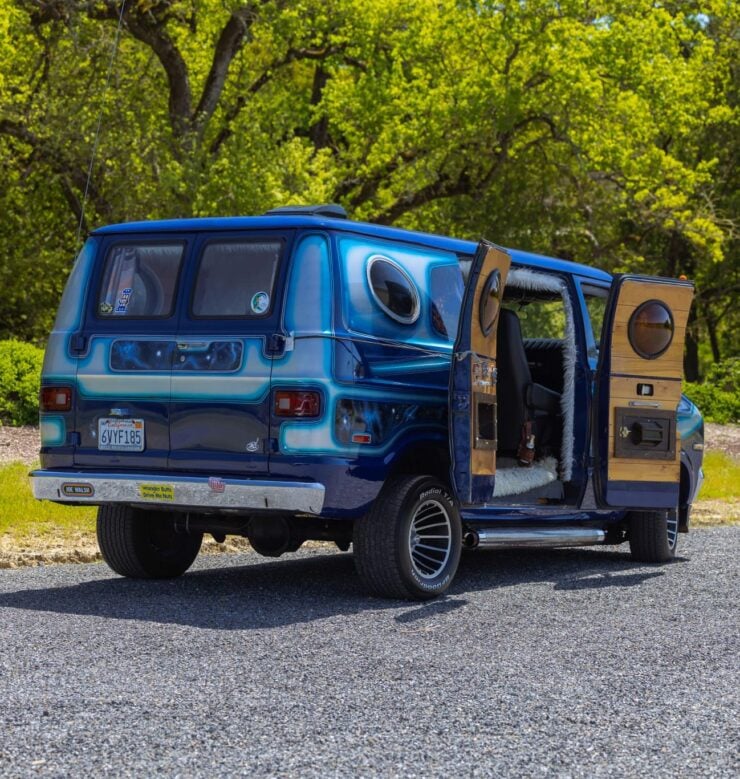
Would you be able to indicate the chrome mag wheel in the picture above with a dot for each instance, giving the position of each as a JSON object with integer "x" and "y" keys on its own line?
{"x": 430, "y": 539}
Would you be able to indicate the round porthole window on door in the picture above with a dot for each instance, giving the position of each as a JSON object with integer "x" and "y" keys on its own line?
{"x": 393, "y": 289}
{"x": 490, "y": 301}
{"x": 650, "y": 329}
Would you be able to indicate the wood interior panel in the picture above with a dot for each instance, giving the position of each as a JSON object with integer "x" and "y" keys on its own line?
{"x": 483, "y": 461}
{"x": 640, "y": 470}
{"x": 664, "y": 373}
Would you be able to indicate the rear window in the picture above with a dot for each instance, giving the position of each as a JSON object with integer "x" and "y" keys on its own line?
{"x": 236, "y": 279}
{"x": 139, "y": 280}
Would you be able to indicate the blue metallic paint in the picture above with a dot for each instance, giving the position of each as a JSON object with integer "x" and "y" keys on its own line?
{"x": 368, "y": 366}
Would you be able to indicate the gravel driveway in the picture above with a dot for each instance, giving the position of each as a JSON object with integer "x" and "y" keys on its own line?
{"x": 567, "y": 663}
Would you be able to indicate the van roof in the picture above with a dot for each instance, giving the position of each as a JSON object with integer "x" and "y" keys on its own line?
{"x": 270, "y": 222}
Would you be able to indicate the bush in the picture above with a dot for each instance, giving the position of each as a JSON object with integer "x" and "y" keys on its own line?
{"x": 718, "y": 398}
{"x": 20, "y": 378}
{"x": 725, "y": 375}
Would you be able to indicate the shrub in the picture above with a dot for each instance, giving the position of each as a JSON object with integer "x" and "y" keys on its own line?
{"x": 716, "y": 403}
{"x": 20, "y": 378}
{"x": 725, "y": 375}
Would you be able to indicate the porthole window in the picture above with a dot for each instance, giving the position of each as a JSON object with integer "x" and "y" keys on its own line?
{"x": 651, "y": 329}
{"x": 490, "y": 301}
{"x": 392, "y": 289}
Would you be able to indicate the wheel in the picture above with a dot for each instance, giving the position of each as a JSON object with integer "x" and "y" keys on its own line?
{"x": 653, "y": 535}
{"x": 409, "y": 545}
{"x": 145, "y": 544}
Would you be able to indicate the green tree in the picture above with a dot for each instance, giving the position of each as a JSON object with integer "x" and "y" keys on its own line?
{"x": 603, "y": 132}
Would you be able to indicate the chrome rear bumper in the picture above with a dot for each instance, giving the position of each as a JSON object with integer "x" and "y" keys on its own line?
{"x": 185, "y": 491}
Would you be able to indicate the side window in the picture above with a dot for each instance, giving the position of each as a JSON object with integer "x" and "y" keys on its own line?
{"x": 393, "y": 290}
{"x": 236, "y": 279}
{"x": 595, "y": 298}
{"x": 446, "y": 292}
{"x": 139, "y": 280}
{"x": 540, "y": 318}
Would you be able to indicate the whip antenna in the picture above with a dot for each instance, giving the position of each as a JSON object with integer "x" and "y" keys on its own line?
{"x": 100, "y": 119}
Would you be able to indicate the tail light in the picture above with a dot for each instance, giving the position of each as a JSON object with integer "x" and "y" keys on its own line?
{"x": 56, "y": 399}
{"x": 297, "y": 403}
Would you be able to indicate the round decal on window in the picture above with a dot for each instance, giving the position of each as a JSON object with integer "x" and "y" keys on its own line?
{"x": 651, "y": 329}
{"x": 260, "y": 302}
{"x": 392, "y": 289}
{"x": 490, "y": 301}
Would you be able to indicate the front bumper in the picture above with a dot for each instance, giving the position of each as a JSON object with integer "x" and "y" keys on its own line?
{"x": 196, "y": 492}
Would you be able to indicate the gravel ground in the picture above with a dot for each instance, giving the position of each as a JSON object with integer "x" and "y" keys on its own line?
{"x": 572, "y": 663}
{"x": 19, "y": 443}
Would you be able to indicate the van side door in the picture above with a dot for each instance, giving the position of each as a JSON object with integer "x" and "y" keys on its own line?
{"x": 473, "y": 374}
{"x": 638, "y": 389}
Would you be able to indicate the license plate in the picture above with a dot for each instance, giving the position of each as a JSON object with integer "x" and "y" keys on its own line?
{"x": 121, "y": 435}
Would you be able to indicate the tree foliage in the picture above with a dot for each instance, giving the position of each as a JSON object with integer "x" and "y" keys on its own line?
{"x": 603, "y": 131}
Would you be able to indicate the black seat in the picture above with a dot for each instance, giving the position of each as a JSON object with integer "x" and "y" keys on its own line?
{"x": 519, "y": 399}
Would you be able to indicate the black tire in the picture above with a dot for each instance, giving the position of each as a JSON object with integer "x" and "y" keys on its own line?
{"x": 145, "y": 544}
{"x": 389, "y": 555}
{"x": 653, "y": 535}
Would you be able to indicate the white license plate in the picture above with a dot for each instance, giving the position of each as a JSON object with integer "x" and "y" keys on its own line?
{"x": 121, "y": 435}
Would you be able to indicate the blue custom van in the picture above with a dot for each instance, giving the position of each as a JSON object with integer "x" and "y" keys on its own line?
{"x": 299, "y": 376}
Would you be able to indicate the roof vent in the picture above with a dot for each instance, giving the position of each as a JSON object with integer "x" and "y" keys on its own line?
{"x": 332, "y": 210}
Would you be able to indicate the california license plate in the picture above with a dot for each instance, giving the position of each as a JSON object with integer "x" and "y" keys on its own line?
{"x": 121, "y": 435}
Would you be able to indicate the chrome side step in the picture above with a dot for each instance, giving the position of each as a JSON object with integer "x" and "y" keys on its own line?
{"x": 491, "y": 538}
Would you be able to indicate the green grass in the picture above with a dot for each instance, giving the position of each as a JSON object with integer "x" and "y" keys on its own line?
{"x": 23, "y": 517}
{"x": 721, "y": 477}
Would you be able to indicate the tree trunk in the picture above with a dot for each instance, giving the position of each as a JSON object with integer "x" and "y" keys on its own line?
{"x": 691, "y": 353}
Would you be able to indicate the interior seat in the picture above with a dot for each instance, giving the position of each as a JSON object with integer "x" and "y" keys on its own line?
{"x": 519, "y": 399}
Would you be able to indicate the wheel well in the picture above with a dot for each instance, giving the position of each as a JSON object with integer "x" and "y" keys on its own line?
{"x": 432, "y": 459}
{"x": 684, "y": 490}
{"x": 684, "y": 486}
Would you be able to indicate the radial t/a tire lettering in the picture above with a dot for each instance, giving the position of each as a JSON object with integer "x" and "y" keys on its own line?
{"x": 409, "y": 544}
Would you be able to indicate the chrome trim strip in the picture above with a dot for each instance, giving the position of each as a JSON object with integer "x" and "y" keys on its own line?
{"x": 490, "y": 538}
{"x": 193, "y": 491}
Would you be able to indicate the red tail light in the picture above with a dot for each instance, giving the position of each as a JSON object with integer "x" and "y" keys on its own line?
{"x": 297, "y": 403}
{"x": 56, "y": 399}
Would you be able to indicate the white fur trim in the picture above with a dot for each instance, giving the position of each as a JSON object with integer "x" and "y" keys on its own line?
{"x": 516, "y": 481}
{"x": 542, "y": 282}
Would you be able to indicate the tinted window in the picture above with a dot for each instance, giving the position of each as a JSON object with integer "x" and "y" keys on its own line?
{"x": 393, "y": 290}
{"x": 651, "y": 329}
{"x": 236, "y": 279}
{"x": 139, "y": 280}
{"x": 446, "y": 287}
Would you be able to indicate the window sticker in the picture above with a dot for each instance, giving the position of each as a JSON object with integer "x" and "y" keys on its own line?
{"x": 260, "y": 302}
{"x": 124, "y": 297}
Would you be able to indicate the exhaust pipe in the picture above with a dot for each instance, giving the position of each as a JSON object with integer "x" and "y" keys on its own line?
{"x": 492, "y": 538}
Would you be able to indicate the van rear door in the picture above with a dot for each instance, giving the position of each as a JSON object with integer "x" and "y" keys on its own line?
{"x": 473, "y": 374}
{"x": 124, "y": 350}
{"x": 222, "y": 361}
{"x": 638, "y": 389}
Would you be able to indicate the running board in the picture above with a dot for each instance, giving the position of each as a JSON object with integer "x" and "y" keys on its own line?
{"x": 491, "y": 538}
